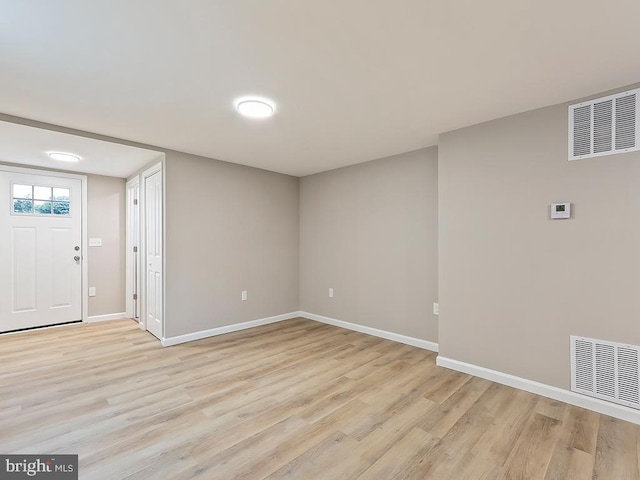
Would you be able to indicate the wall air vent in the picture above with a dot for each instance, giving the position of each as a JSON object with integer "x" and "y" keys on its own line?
{"x": 606, "y": 370}
{"x": 605, "y": 126}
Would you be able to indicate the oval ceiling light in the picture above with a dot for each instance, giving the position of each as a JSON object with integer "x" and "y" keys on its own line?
{"x": 63, "y": 157}
{"x": 255, "y": 107}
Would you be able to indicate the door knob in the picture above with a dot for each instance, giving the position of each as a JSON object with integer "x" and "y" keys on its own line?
{"x": 76, "y": 258}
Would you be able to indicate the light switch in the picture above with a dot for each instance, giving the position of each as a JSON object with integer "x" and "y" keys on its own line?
{"x": 95, "y": 242}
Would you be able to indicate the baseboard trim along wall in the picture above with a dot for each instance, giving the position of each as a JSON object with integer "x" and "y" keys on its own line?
{"x": 396, "y": 337}
{"x": 572, "y": 398}
{"x": 566, "y": 396}
{"x": 190, "y": 337}
{"x": 109, "y": 316}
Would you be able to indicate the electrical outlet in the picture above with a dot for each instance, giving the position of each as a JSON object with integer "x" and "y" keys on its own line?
{"x": 92, "y": 291}
{"x": 436, "y": 309}
{"x": 331, "y": 293}
{"x": 245, "y": 295}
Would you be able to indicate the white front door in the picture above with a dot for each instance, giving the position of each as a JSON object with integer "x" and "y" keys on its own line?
{"x": 40, "y": 250}
{"x": 153, "y": 250}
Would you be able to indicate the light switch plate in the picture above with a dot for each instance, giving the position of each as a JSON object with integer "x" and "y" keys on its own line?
{"x": 95, "y": 242}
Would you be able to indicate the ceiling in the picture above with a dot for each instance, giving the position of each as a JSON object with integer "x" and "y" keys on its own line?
{"x": 352, "y": 80}
{"x": 29, "y": 146}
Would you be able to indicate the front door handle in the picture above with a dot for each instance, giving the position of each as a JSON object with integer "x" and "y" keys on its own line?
{"x": 76, "y": 258}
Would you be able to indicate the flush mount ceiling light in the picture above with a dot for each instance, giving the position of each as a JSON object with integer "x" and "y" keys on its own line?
{"x": 63, "y": 157}
{"x": 255, "y": 107}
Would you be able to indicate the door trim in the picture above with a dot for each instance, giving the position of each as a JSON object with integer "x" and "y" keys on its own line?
{"x": 158, "y": 167}
{"x": 129, "y": 284}
{"x": 83, "y": 221}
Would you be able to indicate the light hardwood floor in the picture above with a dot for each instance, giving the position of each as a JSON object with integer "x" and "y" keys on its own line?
{"x": 297, "y": 399}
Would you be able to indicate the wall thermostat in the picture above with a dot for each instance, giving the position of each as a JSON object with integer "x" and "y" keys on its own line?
{"x": 560, "y": 210}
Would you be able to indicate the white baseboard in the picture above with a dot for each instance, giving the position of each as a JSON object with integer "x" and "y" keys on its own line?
{"x": 190, "y": 337}
{"x": 396, "y": 337}
{"x": 567, "y": 396}
{"x": 109, "y": 316}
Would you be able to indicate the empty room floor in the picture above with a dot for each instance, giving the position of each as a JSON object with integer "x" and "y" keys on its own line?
{"x": 296, "y": 399}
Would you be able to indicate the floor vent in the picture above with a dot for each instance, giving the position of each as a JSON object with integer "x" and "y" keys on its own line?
{"x": 606, "y": 370}
{"x": 605, "y": 126}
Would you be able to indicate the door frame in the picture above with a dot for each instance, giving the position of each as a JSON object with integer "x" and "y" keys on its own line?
{"x": 142, "y": 204}
{"x": 83, "y": 221}
{"x": 130, "y": 263}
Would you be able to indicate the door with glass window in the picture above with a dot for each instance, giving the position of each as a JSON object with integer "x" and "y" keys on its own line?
{"x": 40, "y": 250}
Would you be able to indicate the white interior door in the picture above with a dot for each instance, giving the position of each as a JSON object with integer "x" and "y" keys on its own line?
{"x": 40, "y": 250}
{"x": 153, "y": 252}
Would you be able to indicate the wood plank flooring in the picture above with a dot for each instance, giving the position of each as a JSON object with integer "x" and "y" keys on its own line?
{"x": 294, "y": 400}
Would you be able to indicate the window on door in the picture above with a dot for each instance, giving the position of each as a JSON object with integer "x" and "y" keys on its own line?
{"x": 38, "y": 200}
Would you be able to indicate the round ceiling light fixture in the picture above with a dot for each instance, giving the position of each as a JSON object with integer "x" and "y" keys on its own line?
{"x": 255, "y": 107}
{"x": 63, "y": 156}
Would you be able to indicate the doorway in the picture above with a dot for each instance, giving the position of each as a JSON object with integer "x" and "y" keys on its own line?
{"x": 145, "y": 250}
{"x": 41, "y": 248}
{"x": 133, "y": 250}
{"x": 154, "y": 291}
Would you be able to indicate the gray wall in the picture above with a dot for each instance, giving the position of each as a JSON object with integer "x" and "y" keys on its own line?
{"x": 513, "y": 283}
{"x": 229, "y": 228}
{"x": 370, "y": 232}
{"x": 106, "y": 219}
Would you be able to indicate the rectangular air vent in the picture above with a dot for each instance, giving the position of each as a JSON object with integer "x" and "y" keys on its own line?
{"x": 606, "y": 370}
{"x": 605, "y": 126}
